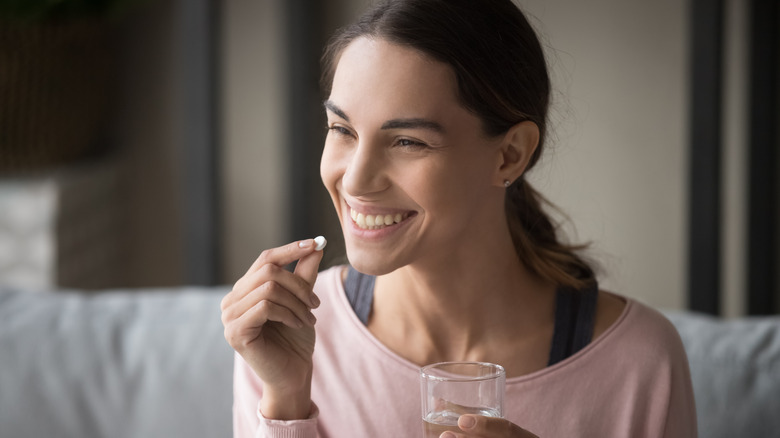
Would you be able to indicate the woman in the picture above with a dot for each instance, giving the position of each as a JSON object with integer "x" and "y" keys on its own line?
{"x": 436, "y": 111}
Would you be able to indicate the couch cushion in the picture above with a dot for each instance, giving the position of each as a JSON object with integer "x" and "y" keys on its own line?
{"x": 735, "y": 368}
{"x": 149, "y": 363}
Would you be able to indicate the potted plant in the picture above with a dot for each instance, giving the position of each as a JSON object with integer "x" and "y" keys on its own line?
{"x": 55, "y": 70}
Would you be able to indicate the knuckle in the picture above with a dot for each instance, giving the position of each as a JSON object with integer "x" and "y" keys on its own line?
{"x": 263, "y": 306}
{"x": 225, "y": 302}
{"x": 265, "y": 255}
{"x": 238, "y": 336}
{"x": 267, "y": 270}
{"x": 228, "y": 315}
{"x": 230, "y": 335}
{"x": 238, "y": 343}
{"x": 239, "y": 284}
{"x": 268, "y": 289}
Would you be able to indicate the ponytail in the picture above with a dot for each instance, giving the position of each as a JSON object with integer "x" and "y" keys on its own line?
{"x": 536, "y": 242}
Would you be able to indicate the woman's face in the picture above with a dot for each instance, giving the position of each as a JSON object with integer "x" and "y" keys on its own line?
{"x": 410, "y": 172}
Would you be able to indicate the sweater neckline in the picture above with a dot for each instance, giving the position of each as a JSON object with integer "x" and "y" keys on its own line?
{"x": 344, "y": 309}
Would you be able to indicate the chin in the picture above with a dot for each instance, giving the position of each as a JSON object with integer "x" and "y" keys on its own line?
{"x": 369, "y": 263}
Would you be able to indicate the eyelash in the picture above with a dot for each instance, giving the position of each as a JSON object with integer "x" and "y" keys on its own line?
{"x": 408, "y": 143}
{"x": 340, "y": 130}
{"x": 402, "y": 142}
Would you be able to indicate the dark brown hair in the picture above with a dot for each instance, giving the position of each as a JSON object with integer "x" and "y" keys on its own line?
{"x": 502, "y": 78}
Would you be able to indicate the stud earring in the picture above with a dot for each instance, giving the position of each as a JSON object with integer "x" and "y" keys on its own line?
{"x": 507, "y": 183}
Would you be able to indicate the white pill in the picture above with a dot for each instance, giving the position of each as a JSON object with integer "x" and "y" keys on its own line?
{"x": 320, "y": 243}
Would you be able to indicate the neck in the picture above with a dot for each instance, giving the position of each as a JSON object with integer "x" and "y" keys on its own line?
{"x": 464, "y": 305}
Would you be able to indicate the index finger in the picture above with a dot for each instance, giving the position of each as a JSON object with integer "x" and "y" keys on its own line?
{"x": 284, "y": 255}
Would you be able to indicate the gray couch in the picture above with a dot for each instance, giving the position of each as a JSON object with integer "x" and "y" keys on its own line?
{"x": 141, "y": 364}
{"x": 153, "y": 363}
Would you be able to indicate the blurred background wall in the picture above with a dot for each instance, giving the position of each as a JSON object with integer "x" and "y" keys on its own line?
{"x": 617, "y": 162}
{"x": 617, "y": 159}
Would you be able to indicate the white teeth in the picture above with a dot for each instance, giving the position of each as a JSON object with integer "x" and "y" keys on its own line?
{"x": 375, "y": 222}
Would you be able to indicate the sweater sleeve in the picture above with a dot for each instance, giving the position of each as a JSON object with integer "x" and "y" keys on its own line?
{"x": 248, "y": 421}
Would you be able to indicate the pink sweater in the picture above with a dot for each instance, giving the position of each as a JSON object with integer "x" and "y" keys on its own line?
{"x": 632, "y": 381}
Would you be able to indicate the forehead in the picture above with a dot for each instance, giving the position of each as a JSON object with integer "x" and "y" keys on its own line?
{"x": 374, "y": 75}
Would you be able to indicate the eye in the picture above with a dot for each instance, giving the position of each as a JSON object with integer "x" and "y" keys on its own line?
{"x": 339, "y": 131}
{"x": 409, "y": 143}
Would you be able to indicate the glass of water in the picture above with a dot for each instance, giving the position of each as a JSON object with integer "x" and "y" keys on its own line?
{"x": 451, "y": 389}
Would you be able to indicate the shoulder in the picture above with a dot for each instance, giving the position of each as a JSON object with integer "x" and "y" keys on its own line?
{"x": 609, "y": 308}
{"x": 643, "y": 352}
{"x": 638, "y": 329}
{"x": 655, "y": 364}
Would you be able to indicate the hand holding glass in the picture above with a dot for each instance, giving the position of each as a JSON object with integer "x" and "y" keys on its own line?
{"x": 451, "y": 389}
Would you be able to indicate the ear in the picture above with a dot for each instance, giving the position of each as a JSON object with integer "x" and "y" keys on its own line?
{"x": 515, "y": 151}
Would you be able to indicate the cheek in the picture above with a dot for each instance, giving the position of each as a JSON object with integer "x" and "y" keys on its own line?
{"x": 437, "y": 189}
{"x": 459, "y": 188}
{"x": 330, "y": 167}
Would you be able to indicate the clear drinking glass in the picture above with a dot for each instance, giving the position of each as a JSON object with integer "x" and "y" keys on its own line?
{"x": 451, "y": 389}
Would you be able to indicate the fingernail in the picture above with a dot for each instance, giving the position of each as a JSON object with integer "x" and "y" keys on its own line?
{"x": 320, "y": 242}
{"x": 312, "y": 318}
{"x": 447, "y": 435}
{"x": 305, "y": 243}
{"x": 467, "y": 421}
{"x": 314, "y": 300}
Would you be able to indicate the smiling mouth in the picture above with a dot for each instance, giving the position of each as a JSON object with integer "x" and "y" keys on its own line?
{"x": 377, "y": 221}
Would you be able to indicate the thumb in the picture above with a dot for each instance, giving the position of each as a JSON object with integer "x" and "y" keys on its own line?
{"x": 308, "y": 266}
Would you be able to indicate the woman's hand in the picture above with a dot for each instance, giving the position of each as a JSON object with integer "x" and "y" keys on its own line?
{"x": 268, "y": 321}
{"x": 487, "y": 427}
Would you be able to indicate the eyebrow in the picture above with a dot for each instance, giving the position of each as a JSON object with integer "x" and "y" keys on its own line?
{"x": 410, "y": 123}
{"x": 413, "y": 123}
{"x": 332, "y": 107}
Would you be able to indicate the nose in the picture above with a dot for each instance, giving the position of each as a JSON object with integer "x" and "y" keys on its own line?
{"x": 365, "y": 170}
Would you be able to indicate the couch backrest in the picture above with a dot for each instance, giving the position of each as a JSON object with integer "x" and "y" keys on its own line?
{"x": 735, "y": 368}
{"x": 119, "y": 364}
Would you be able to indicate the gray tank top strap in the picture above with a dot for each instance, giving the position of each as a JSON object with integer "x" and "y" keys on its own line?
{"x": 360, "y": 293}
{"x": 575, "y": 315}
